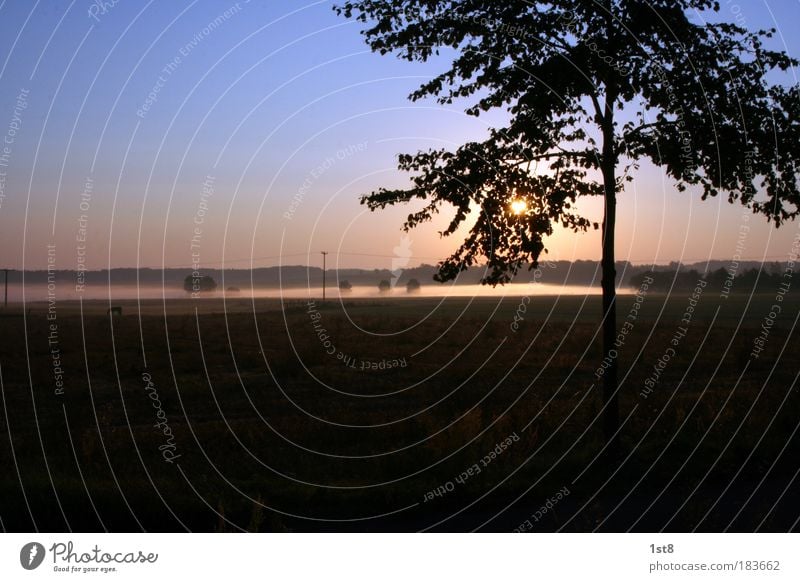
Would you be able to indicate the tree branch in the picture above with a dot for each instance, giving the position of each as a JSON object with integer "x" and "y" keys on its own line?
{"x": 643, "y": 127}
{"x": 551, "y": 155}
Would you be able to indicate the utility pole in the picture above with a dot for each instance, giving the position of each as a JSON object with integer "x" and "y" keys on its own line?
{"x": 324, "y": 262}
{"x": 5, "y": 301}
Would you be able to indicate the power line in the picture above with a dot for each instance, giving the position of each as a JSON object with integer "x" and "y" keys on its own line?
{"x": 389, "y": 256}
{"x": 324, "y": 268}
{"x": 5, "y": 300}
{"x": 682, "y": 260}
{"x": 279, "y": 257}
{"x": 244, "y": 260}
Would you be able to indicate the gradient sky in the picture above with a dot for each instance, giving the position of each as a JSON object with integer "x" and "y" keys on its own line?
{"x": 279, "y": 98}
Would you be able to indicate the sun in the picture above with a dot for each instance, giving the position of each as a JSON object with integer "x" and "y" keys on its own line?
{"x": 518, "y": 206}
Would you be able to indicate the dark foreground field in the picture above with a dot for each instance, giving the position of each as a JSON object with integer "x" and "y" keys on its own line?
{"x": 235, "y": 418}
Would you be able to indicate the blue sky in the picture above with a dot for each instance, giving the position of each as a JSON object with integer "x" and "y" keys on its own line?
{"x": 281, "y": 108}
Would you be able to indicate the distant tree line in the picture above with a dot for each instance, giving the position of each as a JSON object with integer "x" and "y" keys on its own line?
{"x": 743, "y": 281}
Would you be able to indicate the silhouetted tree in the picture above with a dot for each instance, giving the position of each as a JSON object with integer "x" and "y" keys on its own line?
{"x": 199, "y": 283}
{"x": 412, "y": 286}
{"x": 384, "y": 286}
{"x": 590, "y": 88}
{"x": 345, "y": 285}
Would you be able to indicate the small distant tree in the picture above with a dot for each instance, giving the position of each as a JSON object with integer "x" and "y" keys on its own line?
{"x": 384, "y": 286}
{"x": 412, "y": 286}
{"x": 199, "y": 283}
{"x": 345, "y": 285}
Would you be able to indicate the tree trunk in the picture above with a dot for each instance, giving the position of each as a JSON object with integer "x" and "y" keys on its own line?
{"x": 610, "y": 388}
{"x": 609, "y": 165}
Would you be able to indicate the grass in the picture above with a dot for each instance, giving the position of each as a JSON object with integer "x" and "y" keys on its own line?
{"x": 275, "y": 434}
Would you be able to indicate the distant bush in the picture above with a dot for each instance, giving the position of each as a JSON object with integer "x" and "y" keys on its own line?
{"x": 384, "y": 286}
{"x": 412, "y": 286}
{"x": 345, "y": 286}
{"x": 199, "y": 284}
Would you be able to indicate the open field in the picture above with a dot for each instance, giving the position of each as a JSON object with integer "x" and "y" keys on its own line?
{"x": 209, "y": 416}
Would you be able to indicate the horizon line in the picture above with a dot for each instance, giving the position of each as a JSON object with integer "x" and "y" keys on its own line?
{"x": 218, "y": 266}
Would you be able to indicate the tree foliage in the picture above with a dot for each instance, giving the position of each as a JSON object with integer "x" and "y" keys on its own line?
{"x": 590, "y": 87}
{"x": 195, "y": 283}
